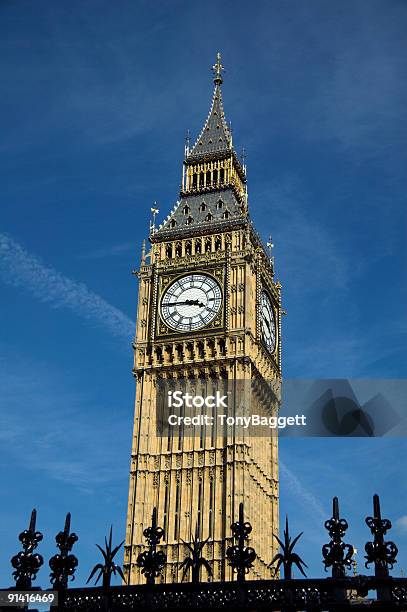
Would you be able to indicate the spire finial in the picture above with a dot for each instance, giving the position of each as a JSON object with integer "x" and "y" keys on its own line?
{"x": 217, "y": 70}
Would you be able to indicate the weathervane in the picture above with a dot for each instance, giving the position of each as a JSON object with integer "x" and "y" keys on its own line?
{"x": 154, "y": 211}
{"x": 217, "y": 69}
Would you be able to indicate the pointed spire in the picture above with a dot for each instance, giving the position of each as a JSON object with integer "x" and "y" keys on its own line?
{"x": 215, "y": 135}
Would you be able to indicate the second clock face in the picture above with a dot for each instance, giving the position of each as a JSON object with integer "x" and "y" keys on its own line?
{"x": 191, "y": 302}
{"x": 268, "y": 327}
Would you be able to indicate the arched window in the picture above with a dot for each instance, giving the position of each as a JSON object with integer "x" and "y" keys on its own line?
{"x": 226, "y": 214}
{"x": 168, "y": 250}
{"x": 186, "y": 210}
{"x": 173, "y": 223}
{"x": 209, "y": 217}
{"x": 215, "y": 177}
{"x": 219, "y": 204}
{"x": 218, "y": 243}
{"x": 178, "y": 250}
{"x": 198, "y": 246}
{"x": 202, "y": 207}
{"x": 188, "y": 248}
{"x": 189, "y": 221}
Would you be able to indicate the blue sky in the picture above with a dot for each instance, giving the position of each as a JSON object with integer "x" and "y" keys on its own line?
{"x": 96, "y": 98}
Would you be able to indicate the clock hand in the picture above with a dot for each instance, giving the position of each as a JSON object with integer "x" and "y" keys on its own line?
{"x": 188, "y": 303}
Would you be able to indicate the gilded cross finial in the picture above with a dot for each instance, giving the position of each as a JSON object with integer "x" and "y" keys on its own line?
{"x": 217, "y": 69}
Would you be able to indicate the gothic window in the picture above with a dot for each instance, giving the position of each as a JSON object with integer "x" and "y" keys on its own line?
{"x": 198, "y": 246}
{"x": 186, "y": 210}
{"x": 219, "y": 204}
{"x": 208, "y": 245}
{"x": 194, "y": 180}
{"x": 201, "y": 351}
{"x": 202, "y": 207}
{"x": 210, "y": 525}
{"x": 201, "y": 179}
{"x": 173, "y": 223}
{"x": 222, "y": 175}
{"x": 159, "y": 354}
{"x": 188, "y": 248}
{"x": 166, "y": 507}
{"x": 208, "y": 178}
{"x": 168, "y": 251}
{"x": 189, "y": 221}
{"x": 215, "y": 176}
{"x": 176, "y": 521}
{"x": 178, "y": 250}
{"x": 180, "y": 352}
{"x": 199, "y": 505}
{"x": 218, "y": 243}
{"x": 226, "y": 214}
{"x": 209, "y": 217}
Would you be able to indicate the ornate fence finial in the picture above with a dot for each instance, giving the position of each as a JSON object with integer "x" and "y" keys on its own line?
{"x": 63, "y": 564}
{"x": 241, "y": 557}
{"x": 26, "y": 563}
{"x": 337, "y": 554}
{"x": 109, "y": 567}
{"x": 382, "y": 554}
{"x": 196, "y": 560}
{"x": 287, "y": 558}
{"x": 152, "y": 560}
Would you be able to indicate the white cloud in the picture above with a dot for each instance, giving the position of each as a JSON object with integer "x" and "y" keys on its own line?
{"x": 401, "y": 524}
{"x": 22, "y": 269}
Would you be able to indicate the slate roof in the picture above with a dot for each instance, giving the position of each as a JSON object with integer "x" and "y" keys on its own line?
{"x": 202, "y": 208}
{"x": 215, "y": 135}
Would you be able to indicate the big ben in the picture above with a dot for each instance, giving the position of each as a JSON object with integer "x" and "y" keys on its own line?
{"x": 209, "y": 316}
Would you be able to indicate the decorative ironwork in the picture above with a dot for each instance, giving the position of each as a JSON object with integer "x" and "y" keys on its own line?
{"x": 63, "y": 565}
{"x": 27, "y": 563}
{"x": 314, "y": 595}
{"x": 196, "y": 560}
{"x": 337, "y": 554}
{"x": 338, "y": 593}
{"x": 109, "y": 568}
{"x": 241, "y": 557}
{"x": 382, "y": 554}
{"x": 287, "y": 558}
{"x": 152, "y": 560}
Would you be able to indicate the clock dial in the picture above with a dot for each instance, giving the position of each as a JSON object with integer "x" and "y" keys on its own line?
{"x": 191, "y": 302}
{"x": 267, "y": 322}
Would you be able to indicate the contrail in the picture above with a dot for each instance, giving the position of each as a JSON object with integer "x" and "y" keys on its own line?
{"x": 294, "y": 485}
{"x": 21, "y": 269}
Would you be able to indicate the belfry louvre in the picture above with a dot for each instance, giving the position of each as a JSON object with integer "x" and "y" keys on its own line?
{"x": 209, "y": 316}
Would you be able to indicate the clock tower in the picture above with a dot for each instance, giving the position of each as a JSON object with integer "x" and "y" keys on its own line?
{"x": 209, "y": 316}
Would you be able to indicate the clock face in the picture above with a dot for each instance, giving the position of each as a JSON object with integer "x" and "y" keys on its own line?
{"x": 191, "y": 302}
{"x": 268, "y": 327}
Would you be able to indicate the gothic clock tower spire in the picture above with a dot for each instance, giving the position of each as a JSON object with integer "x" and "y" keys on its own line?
{"x": 209, "y": 313}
